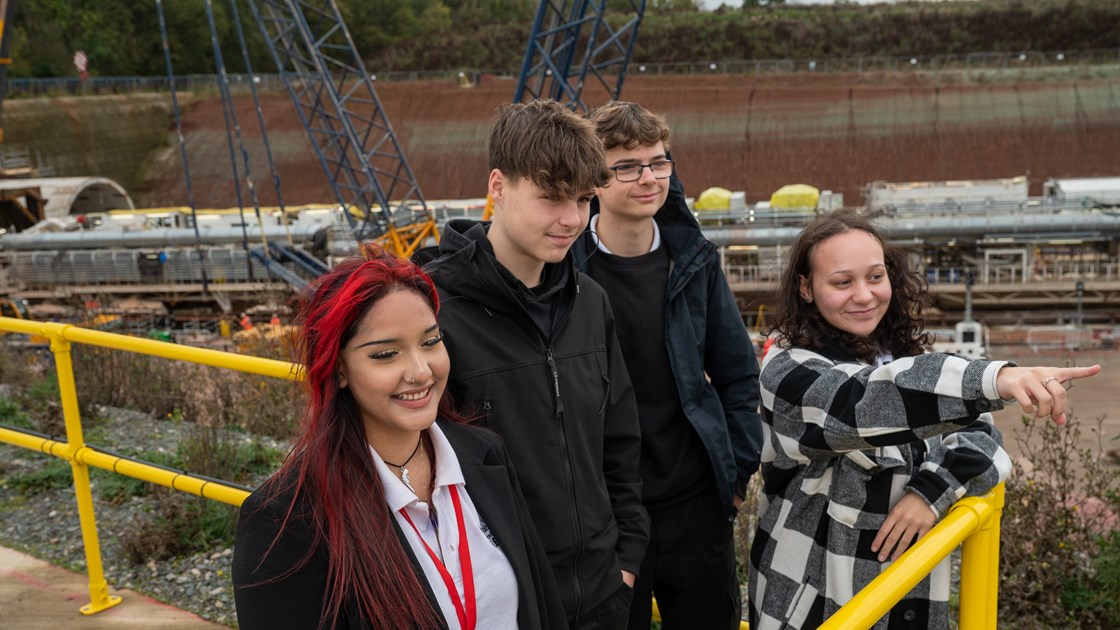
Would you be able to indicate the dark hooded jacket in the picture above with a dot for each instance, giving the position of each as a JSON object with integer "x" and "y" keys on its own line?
{"x": 712, "y": 358}
{"x": 562, "y": 401}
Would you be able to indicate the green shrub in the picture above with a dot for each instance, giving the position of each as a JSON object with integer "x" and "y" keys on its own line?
{"x": 1059, "y": 540}
{"x": 11, "y": 413}
{"x": 116, "y": 378}
{"x": 116, "y": 489}
{"x": 1108, "y": 575}
{"x": 53, "y": 475}
{"x": 256, "y": 458}
{"x": 181, "y": 525}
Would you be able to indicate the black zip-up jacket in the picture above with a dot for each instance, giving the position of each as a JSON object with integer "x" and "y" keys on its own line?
{"x": 269, "y": 596}
{"x": 564, "y": 405}
{"x": 713, "y": 361}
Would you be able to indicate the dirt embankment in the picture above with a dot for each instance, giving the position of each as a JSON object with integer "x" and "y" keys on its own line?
{"x": 753, "y": 133}
{"x": 109, "y": 136}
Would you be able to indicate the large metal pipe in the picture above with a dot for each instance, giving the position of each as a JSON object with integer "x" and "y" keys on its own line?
{"x": 170, "y": 237}
{"x": 919, "y": 229}
{"x": 911, "y": 227}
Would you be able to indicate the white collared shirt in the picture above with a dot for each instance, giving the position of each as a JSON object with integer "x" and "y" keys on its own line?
{"x": 494, "y": 581}
{"x": 603, "y": 248}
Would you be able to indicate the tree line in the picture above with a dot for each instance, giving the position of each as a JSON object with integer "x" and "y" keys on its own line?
{"x": 122, "y": 37}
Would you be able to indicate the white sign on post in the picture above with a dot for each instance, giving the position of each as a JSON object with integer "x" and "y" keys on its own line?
{"x": 80, "y": 62}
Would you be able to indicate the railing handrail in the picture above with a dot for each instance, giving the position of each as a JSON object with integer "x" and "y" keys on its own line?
{"x": 166, "y": 350}
{"x": 81, "y": 457}
{"x": 967, "y": 517}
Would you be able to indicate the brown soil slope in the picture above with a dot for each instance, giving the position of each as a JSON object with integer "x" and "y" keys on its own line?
{"x": 753, "y": 133}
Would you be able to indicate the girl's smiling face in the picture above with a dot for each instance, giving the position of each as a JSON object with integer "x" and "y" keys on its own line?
{"x": 396, "y": 367}
{"x": 848, "y": 282}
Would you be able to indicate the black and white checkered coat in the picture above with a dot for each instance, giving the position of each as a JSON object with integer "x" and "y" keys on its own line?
{"x": 844, "y": 441}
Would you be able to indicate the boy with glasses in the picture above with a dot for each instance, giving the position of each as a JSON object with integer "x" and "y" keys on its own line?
{"x": 693, "y": 367}
{"x": 534, "y": 354}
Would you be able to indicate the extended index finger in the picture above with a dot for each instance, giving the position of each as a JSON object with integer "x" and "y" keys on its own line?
{"x": 1068, "y": 374}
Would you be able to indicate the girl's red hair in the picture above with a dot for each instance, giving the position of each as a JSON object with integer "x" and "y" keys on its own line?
{"x": 331, "y": 459}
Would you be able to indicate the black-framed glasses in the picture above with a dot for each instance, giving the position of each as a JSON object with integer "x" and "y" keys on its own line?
{"x": 661, "y": 169}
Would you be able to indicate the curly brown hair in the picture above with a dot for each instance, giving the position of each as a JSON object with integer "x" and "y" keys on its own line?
{"x": 799, "y": 324}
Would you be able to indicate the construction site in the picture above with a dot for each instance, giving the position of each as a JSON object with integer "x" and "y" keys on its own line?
{"x": 754, "y": 134}
{"x": 190, "y": 211}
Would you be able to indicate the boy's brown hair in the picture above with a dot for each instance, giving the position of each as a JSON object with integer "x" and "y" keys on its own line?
{"x": 629, "y": 125}
{"x": 550, "y": 145}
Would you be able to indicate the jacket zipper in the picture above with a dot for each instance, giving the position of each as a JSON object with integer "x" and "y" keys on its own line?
{"x": 569, "y": 477}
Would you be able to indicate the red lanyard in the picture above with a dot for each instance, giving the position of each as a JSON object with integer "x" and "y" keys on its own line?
{"x": 467, "y": 613}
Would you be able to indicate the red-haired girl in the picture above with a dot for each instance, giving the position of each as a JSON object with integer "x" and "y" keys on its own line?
{"x": 389, "y": 512}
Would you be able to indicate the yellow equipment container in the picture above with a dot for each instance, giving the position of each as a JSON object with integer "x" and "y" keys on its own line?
{"x": 795, "y": 196}
{"x": 714, "y": 198}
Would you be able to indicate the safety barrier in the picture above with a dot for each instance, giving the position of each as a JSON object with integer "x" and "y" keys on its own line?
{"x": 27, "y": 87}
{"x": 973, "y": 521}
{"x": 81, "y": 456}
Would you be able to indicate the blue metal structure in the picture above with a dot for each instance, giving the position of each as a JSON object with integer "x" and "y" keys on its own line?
{"x": 572, "y": 44}
{"x": 337, "y": 104}
{"x": 182, "y": 144}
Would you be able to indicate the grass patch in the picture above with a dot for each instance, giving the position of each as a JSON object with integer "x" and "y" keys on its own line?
{"x": 54, "y": 475}
{"x": 180, "y": 525}
{"x": 11, "y": 413}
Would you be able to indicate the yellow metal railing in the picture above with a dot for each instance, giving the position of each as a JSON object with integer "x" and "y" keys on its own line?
{"x": 973, "y": 521}
{"x": 81, "y": 456}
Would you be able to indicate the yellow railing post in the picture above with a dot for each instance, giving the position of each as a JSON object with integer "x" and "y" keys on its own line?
{"x": 970, "y": 517}
{"x": 81, "y": 457}
{"x": 99, "y": 596}
{"x": 980, "y": 571}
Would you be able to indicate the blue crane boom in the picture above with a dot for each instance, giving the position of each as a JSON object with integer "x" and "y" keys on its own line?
{"x": 338, "y": 106}
{"x": 571, "y": 44}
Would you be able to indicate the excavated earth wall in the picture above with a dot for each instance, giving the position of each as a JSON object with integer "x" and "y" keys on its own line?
{"x": 743, "y": 132}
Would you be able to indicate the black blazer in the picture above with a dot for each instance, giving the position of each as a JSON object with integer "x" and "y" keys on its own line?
{"x": 296, "y": 601}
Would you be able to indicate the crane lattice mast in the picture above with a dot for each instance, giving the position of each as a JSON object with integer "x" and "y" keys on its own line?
{"x": 339, "y": 108}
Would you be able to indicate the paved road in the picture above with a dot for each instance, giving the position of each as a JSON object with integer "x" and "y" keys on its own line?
{"x": 35, "y": 595}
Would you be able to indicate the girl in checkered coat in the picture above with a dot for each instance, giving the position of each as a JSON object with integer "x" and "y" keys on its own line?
{"x": 869, "y": 439}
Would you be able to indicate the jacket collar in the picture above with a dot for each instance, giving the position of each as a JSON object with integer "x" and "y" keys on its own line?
{"x": 467, "y": 268}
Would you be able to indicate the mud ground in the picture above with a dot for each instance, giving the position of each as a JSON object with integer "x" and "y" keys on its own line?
{"x": 743, "y": 132}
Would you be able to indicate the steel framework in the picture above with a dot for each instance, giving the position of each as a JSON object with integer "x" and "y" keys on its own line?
{"x": 572, "y": 43}
{"x": 338, "y": 106}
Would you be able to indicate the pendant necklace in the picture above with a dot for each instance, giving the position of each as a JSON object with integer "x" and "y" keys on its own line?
{"x": 404, "y": 470}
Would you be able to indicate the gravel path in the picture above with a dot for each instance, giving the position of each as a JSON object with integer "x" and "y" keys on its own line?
{"x": 46, "y": 524}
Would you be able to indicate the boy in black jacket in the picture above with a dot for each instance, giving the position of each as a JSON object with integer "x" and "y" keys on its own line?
{"x": 534, "y": 353}
{"x": 692, "y": 365}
